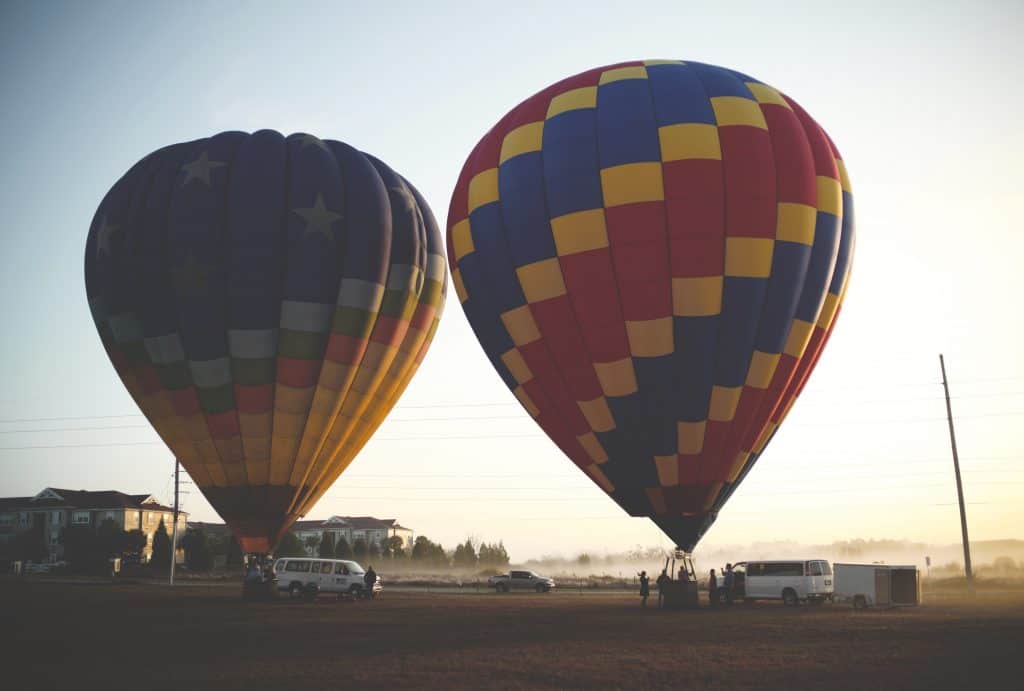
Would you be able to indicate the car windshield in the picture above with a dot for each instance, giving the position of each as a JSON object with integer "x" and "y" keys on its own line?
{"x": 355, "y": 569}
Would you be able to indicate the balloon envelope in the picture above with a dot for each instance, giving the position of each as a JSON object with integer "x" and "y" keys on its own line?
{"x": 652, "y": 254}
{"x": 265, "y": 300}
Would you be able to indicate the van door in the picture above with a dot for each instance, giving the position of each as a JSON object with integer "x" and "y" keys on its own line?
{"x": 327, "y": 582}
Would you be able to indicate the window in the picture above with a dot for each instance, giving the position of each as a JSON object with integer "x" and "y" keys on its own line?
{"x": 814, "y": 568}
{"x": 826, "y": 568}
{"x": 325, "y": 567}
{"x": 341, "y": 569}
{"x": 80, "y": 518}
{"x": 291, "y": 566}
{"x": 56, "y": 517}
{"x": 279, "y": 566}
{"x": 520, "y": 574}
{"x": 302, "y": 566}
{"x": 316, "y": 567}
{"x": 6, "y": 519}
{"x": 785, "y": 568}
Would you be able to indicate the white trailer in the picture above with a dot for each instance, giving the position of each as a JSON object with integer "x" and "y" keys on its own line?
{"x": 876, "y": 585}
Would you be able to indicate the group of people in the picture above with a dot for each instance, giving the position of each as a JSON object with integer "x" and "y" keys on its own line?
{"x": 717, "y": 589}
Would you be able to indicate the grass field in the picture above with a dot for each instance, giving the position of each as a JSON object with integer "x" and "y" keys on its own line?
{"x": 99, "y": 636}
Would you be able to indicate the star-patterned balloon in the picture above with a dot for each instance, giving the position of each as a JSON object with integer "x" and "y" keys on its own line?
{"x": 265, "y": 300}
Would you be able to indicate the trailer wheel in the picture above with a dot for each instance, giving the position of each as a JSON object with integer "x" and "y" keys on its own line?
{"x": 789, "y": 598}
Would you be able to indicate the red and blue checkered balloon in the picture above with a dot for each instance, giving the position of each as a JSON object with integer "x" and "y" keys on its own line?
{"x": 265, "y": 300}
{"x": 652, "y": 255}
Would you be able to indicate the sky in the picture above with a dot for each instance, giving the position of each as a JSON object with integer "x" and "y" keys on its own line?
{"x": 922, "y": 99}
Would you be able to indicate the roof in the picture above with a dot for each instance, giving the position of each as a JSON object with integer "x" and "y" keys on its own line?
{"x": 53, "y": 497}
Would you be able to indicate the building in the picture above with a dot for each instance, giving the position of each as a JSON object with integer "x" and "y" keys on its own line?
{"x": 53, "y": 509}
{"x": 372, "y": 530}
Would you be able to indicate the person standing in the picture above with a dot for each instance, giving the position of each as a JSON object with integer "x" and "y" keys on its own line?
{"x": 662, "y": 583}
{"x": 728, "y": 584}
{"x": 645, "y": 588}
{"x": 713, "y": 589}
{"x": 370, "y": 580}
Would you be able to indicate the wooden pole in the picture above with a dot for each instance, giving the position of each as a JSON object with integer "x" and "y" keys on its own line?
{"x": 174, "y": 530}
{"x": 959, "y": 485}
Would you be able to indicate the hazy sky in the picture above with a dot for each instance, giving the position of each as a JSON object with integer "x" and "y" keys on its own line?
{"x": 923, "y": 99}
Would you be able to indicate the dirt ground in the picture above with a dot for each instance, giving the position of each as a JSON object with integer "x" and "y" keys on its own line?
{"x": 101, "y": 636}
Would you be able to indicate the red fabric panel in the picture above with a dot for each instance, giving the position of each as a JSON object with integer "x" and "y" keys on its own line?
{"x": 297, "y": 373}
{"x": 254, "y": 399}
{"x": 749, "y": 167}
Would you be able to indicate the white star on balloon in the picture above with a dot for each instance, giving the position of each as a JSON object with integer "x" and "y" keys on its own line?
{"x": 319, "y": 218}
{"x": 200, "y": 169}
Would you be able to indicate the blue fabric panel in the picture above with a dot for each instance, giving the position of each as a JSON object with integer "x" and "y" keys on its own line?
{"x": 571, "y": 176}
{"x": 524, "y": 209}
{"x": 626, "y": 129}
{"x": 678, "y": 95}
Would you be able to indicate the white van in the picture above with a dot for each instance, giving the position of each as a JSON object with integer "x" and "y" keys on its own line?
{"x": 295, "y": 574}
{"x": 808, "y": 580}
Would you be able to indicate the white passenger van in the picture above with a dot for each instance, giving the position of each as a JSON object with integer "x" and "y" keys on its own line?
{"x": 296, "y": 574}
{"x": 791, "y": 581}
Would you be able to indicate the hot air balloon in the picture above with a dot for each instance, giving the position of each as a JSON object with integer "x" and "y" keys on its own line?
{"x": 652, "y": 255}
{"x": 265, "y": 300}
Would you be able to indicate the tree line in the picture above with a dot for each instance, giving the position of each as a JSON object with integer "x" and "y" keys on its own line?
{"x": 470, "y": 554}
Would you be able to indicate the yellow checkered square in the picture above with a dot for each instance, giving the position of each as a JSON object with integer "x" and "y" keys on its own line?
{"x": 830, "y": 195}
{"x": 593, "y": 447}
{"x": 598, "y": 476}
{"x": 689, "y": 140}
{"x": 762, "y": 369}
{"x": 574, "y": 99}
{"x": 527, "y": 402}
{"x": 522, "y": 140}
{"x": 541, "y": 280}
{"x": 668, "y": 470}
{"x": 579, "y": 231}
{"x": 632, "y": 183}
{"x": 516, "y": 365}
{"x": 650, "y": 338}
{"x": 766, "y": 94}
{"x": 748, "y": 257}
{"x": 799, "y": 336}
{"x": 597, "y": 414}
{"x": 617, "y": 378}
{"x": 844, "y": 177}
{"x": 460, "y": 287}
{"x": 828, "y": 310}
{"x": 483, "y": 188}
{"x": 795, "y": 222}
{"x": 724, "y": 400}
{"x": 521, "y": 327}
{"x": 620, "y": 73}
{"x": 699, "y": 296}
{"x": 462, "y": 239}
{"x": 690, "y": 436}
{"x": 736, "y": 110}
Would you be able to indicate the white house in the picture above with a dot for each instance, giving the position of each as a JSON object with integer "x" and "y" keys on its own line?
{"x": 373, "y": 530}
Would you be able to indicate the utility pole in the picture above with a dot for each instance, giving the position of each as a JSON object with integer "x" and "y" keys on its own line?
{"x": 174, "y": 530}
{"x": 959, "y": 484}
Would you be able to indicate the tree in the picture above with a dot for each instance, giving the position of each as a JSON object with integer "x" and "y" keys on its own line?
{"x": 373, "y": 550}
{"x": 133, "y": 543}
{"x": 198, "y": 554}
{"x": 160, "y": 558}
{"x": 396, "y": 546}
{"x": 342, "y": 549}
{"x": 80, "y": 547}
{"x": 493, "y": 555}
{"x": 359, "y": 548}
{"x": 312, "y": 543}
{"x": 385, "y": 550}
{"x": 327, "y": 546}
{"x": 423, "y": 550}
{"x": 465, "y": 555}
{"x": 290, "y": 546}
